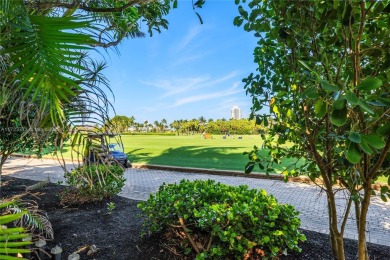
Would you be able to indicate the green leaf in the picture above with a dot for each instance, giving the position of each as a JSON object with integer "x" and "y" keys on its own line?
{"x": 238, "y": 21}
{"x": 261, "y": 166}
{"x": 290, "y": 114}
{"x": 327, "y": 86}
{"x": 265, "y": 121}
{"x": 11, "y": 217}
{"x": 355, "y": 137}
{"x": 339, "y": 104}
{"x": 384, "y": 189}
{"x": 365, "y": 147}
{"x": 311, "y": 93}
{"x": 369, "y": 84}
{"x": 242, "y": 12}
{"x": 307, "y": 67}
{"x": 351, "y": 98}
{"x": 365, "y": 107}
{"x": 249, "y": 167}
{"x": 14, "y": 244}
{"x": 175, "y": 4}
{"x": 385, "y": 101}
{"x": 374, "y": 140}
{"x": 13, "y": 251}
{"x": 266, "y": 239}
{"x": 320, "y": 108}
{"x": 353, "y": 153}
{"x": 384, "y": 130}
{"x": 259, "y": 119}
{"x": 339, "y": 117}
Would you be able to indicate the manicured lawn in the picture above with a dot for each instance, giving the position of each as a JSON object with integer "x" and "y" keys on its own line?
{"x": 191, "y": 151}
{"x": 194, "y": 151}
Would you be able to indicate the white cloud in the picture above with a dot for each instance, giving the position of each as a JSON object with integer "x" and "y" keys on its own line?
{"x": 184, "y": 86}
{"x": 188, "y": 38}
{"x": 176, "y": 86}
{"x": 231, "y": 91}
{"x": 189, "y": 58}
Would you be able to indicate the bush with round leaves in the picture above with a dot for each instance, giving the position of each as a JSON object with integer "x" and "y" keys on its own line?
{"x": 214, "y": 220}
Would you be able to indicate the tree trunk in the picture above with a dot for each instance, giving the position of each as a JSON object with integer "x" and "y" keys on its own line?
{"x": 336, "y": 237}
{"x": 2, "y": 161}
{"x": 362, "y": 245}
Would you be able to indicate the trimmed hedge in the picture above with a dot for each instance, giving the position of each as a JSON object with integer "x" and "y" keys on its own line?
{"x": 221, "y": 221}
{"x": 150, "y": 133}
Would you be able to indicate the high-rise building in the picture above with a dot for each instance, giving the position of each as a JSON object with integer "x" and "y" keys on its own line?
{"x": 235, "y": 113}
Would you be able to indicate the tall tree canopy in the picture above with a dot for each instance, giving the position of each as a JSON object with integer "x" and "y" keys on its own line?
{"x": 324, "y": 70}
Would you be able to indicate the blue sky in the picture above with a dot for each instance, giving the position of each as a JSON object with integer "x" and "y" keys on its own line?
{"x": 187, "y": 71}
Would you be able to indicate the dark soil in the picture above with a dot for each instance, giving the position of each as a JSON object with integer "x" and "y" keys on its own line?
{"x": 117, "y": 235}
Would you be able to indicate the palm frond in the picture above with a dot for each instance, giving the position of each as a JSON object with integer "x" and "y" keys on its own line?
{"x": 13, "y": 240}
{"x": 31, "y": 217}
{"x": 45, "y": 51}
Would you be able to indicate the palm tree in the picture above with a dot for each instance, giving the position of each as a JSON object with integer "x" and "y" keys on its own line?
{"x": 156, "y": 126}
{"x": 163, "y": 124}
{"x": 146, "y": 124}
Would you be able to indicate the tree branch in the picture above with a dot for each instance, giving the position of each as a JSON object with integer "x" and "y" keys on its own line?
{"x": 317, "y": 156}
{"x": 342, "y": 228}
{"x": 85, "y": 7}
{"x": 185, "y": 229}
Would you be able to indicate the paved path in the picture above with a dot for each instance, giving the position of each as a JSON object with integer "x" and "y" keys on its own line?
{"x": 307, "y": 199}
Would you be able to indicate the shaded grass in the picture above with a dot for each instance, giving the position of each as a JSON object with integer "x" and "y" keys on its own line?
{"x": 195, "y": 151}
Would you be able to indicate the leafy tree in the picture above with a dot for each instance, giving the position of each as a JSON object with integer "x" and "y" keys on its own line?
{"x": 176, "y": 125}
{"x": 324, "y": 70}
{"x": 122, "y": 123}
{"x": 163, "y": 124}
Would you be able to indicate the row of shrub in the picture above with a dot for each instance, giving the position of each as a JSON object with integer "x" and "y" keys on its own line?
{"x": 201, "y": 219}
{"x": 150, "y": 133}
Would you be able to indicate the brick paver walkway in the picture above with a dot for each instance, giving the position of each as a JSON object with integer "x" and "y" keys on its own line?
{"x": 307, "y": 199}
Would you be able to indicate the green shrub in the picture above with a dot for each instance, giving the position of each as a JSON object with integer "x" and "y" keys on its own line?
{"x": 221, "y": 221}
{"x": 93, "y": 183}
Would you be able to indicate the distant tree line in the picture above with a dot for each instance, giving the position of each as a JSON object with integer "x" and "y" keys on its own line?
{"x": 188, "y": 127}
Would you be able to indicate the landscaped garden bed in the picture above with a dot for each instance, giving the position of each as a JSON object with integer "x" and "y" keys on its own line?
{"x": 116, "y": 233}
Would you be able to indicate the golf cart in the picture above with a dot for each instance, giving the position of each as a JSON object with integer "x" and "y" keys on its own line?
{"x": 105, "y": 148}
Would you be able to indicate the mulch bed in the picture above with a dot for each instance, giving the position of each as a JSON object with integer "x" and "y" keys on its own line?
{"x": 117, "y": 235}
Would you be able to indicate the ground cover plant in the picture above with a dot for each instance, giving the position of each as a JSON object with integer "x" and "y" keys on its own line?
{"x": 212, "y": 220}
